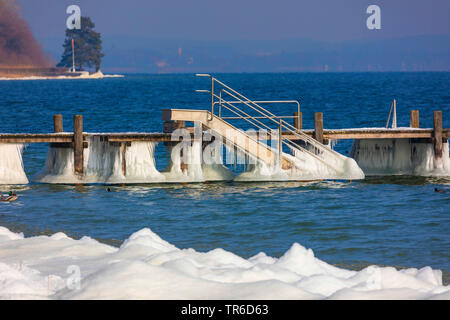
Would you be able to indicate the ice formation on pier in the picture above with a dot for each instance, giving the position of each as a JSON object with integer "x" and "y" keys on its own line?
{"x": 192, "y": 167}
{"x": 400, "y": 157}
{"x": 306, "y": 165}
{"x": 102, "y": 164}
{"x": 326, "y": 166}
{"x": 147, "y": 267}
{"x": 11, "y": 164}
{"x": 141, "y": 165}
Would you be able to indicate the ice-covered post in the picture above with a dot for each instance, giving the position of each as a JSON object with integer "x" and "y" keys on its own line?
{"x": 78, "y": 143}
{"x": 318, "y": 126}
{"x": 298, "y": 120}
{"x": 437, "y": 136}
{"x": 58, "y": 123}
{"x": 123, "y": 153}
{"x": 414, "y": 119}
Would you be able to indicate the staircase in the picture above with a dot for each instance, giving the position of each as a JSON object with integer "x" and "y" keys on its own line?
{"x": 227, "y": 100}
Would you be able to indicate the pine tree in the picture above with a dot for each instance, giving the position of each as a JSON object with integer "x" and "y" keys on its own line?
{"x": 88, "y": 47}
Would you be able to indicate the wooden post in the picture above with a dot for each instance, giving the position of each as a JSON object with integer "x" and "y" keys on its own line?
{"x": 298, "y": 120}
{"x": 437, "y": 135}
{"x": 414, "y": 119}
{"x": 170, "y": 126}
{"x": 58, "y": 123}
{"x": 78, "y": 143}
{"x": 318, "y": 126}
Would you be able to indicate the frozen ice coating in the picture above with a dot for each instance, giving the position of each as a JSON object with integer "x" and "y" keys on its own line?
{"x": 141, "y": 165}
{"x": 147, "y": 267}
{"x": 11, "y": 164}
{"x": 400, "y": 156}
{"x": 102, "y": 164}
{"x": 329, "y": 166}
{"x": 59, "y": 167}
{"x": 192, "y": 167}
{"x": 306, "y": 167}
{"x": 325, "y": 163}
{"x": 185, "y": 167}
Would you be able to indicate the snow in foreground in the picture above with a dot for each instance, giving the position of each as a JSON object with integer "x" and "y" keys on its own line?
{"x": 147, "y": 267}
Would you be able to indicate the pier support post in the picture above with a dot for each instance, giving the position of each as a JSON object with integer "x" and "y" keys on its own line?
{"x": 170, "y": 126}
{"x": 318, "y": 126}
{"x": 298, "y": 119}
{"x": 78, "y": 143}
{"x": 57, "y": 123}
{"x": 414, "y": 119}
{"x": 437, "y": 136}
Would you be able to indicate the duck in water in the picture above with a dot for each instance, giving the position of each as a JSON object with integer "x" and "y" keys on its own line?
{"x": 440, "y": 191}
{"x": 10, "y": 198}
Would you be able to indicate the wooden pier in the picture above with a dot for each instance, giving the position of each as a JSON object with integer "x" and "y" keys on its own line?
{"x": 79, "y": 139}
{"x": 66, "y": 138}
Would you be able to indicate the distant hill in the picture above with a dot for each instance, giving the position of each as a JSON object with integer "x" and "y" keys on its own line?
{"x": 144, "y": 55}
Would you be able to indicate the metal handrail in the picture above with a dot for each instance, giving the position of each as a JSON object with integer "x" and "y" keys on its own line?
{"x": 285, "y": 124}
{"x": 290, "y": 128}
{"x": 394, "y": 117}
{"x": 265, "y": 114}
{"x": 260, "y": 101}
{"x": 279, "y": 117}
{"x": 288, "y": 143}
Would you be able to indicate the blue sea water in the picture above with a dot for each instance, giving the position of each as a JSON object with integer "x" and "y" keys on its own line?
{"x": 397, "y": 221}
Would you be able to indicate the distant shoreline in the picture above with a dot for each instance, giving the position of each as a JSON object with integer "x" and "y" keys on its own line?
{"x": 56, "y": 76}
{"x": 274, "y": 72}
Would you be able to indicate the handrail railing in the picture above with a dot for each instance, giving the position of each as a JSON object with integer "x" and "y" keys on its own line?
{"x": 260, "y": 102}
{"x": 291, "y": 145}
{"x": 318, "y": 148}
{"x": 394, "y": 117}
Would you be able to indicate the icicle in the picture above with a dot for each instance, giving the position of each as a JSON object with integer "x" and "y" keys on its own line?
{"x": 102, "y": 164}
{"x": 11, "y": 164}
{"x": 398, "y": 156}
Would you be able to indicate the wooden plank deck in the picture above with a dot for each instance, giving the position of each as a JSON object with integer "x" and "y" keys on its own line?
{"x": 68, "y": 137}
{"x": 330, "y": 134}
{"x": 377, "y": 133}
{"x": 36, "y": 137}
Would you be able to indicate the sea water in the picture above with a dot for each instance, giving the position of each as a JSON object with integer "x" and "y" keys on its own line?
{"x": 384, "y": 220}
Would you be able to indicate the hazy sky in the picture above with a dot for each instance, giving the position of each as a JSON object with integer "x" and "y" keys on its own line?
{"x": 333, "y": 20}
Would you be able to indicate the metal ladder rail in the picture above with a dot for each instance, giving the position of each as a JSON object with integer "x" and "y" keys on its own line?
{"x": 245, "y": 134}
{"x": 312, "y": 141}
{"x": 267, "y": 114}
{"x": 300, "y": 135}
{"x": 285, "y": 141}
{"x": 263, "y": 101}
{"x": 243, "y": 99}
{"x": 285, "y": 125}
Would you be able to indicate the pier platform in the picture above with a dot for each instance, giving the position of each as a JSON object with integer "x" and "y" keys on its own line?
{"x": 292, "y": 146}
